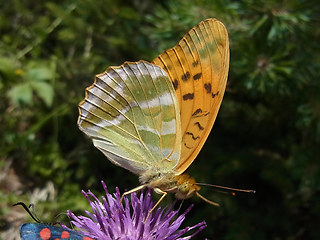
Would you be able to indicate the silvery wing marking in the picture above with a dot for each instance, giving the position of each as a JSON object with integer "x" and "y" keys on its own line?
{"x": 132, "y": 115}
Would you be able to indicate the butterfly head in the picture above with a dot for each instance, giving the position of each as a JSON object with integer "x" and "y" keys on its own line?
{"x": 186, "y": 186}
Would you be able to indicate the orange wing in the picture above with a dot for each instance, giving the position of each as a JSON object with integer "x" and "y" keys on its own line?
{"x": 198, "y": 68}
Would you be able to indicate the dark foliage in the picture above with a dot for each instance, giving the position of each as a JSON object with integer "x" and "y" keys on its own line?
{"x": 266, "y": 137}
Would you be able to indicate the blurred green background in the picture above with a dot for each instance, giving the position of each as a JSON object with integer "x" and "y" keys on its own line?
{"x": 266, "y": 136}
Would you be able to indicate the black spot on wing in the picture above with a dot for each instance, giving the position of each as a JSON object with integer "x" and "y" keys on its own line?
{"x": 199, "y": 125}
{"x": 207, "y": 87}
{"x": 196, "y": 112}
{"x": 193, "y": 137}
{"x": 215, "y": 94}
{"x": 199, "y": 113}
{"x": 195, "y": 63}
{"x": 197, "y": 76}
{"x": 185, "y": 76}
{"x": 188, "y": 96}
{"x": 187, "y": 146}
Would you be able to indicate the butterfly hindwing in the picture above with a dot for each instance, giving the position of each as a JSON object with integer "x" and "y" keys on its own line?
{"x": 132, "y": 115}
{"x": 197, "y": 67}
{"x": 41, "y": 231}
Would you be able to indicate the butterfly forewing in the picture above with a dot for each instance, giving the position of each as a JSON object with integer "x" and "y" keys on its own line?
{"x": 198, "y": 68}
{"x": 132, "y": 115}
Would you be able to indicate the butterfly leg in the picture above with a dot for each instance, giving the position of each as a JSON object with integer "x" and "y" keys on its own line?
{"x": 159, "y": 191}
{"x": 139, "y": 188}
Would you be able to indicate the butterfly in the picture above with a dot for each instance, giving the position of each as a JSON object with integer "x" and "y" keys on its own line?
{"x": 42, "y": 231}
{"x": 153, "y": 118}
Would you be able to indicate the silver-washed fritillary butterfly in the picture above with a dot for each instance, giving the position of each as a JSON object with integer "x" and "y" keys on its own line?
{"x": 153, "y": 118}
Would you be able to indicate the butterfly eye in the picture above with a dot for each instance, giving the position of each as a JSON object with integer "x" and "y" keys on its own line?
{"x": 184, "y": 188}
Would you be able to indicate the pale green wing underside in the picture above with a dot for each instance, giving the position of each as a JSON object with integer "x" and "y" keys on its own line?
{"x": 132, "y": 115}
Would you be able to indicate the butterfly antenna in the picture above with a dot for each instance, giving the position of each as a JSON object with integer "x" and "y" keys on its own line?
{"x": 226, "y": 189}
{"x": 32, "y": 214}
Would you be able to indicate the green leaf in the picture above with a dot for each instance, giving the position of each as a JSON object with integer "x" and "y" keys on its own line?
{"x": 45, "y": 91}
{"x": 40, "y": 74}
{"x": 21, "y": 93}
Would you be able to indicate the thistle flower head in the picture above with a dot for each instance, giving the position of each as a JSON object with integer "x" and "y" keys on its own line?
{"x": 111, "y": 219}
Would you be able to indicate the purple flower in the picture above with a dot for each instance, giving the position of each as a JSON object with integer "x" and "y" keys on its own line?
{"x": 111, "y": 220}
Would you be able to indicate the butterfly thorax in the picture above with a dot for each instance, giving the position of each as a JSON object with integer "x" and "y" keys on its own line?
{"x": 182, "y": 185}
